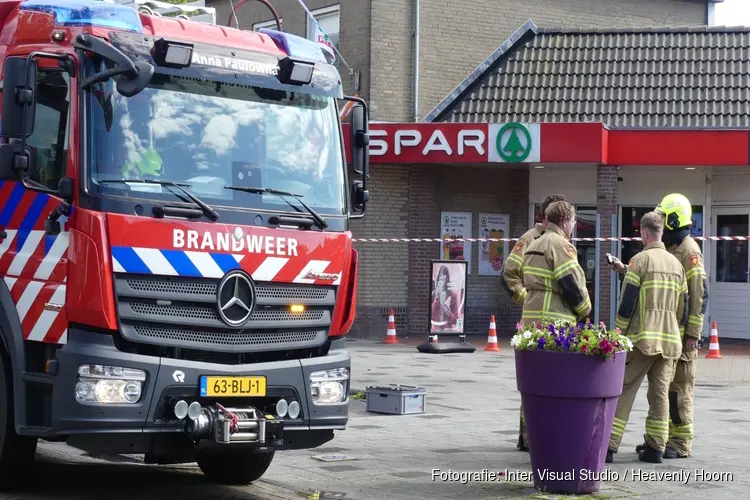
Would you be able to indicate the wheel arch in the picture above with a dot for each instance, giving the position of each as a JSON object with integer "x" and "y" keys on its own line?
{"x": 11, "y": 336}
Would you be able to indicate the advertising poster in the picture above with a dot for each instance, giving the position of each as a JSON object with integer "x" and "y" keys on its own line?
{"x": 447, "y": 296}
{"x": 492, "y": 254}
{"x": 455, "y": 225}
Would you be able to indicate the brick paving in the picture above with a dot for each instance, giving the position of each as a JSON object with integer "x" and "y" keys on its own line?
{"x": 471, "y": 424}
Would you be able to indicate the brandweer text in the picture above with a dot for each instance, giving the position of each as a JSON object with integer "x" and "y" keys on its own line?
{"x": 250, "y": 243}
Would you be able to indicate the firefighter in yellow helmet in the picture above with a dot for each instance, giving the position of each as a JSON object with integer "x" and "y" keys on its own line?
{"x": 677, "y": 213}
{"x": 512, "y": 281}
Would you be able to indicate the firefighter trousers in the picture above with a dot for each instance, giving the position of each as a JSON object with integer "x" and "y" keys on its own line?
{"x": 660, "y": 372}
{"x": 681, "y": 392}
{"x": 522, "y": 434}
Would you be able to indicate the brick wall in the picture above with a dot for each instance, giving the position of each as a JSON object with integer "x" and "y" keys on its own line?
{"x": 456, "y": 35}
{"x": 606, "y": 206}
{"x": 383, "y": 271}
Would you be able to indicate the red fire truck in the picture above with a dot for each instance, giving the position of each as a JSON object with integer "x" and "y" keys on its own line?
{"x": 178, "y": 270}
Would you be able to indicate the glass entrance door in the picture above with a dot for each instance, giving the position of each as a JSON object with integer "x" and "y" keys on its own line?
{"x": 729, "y": 291}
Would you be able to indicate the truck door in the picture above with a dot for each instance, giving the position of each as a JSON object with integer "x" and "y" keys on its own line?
{"x": 33, "y": 263}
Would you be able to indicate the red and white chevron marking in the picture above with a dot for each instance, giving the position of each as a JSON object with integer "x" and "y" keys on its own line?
{"x": 37, "y": 285}
{"x": 479, "y": 240}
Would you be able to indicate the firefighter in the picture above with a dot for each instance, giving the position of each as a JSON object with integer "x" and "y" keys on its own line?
{"x": 553, "y": 277}
{"x": 512, "y": 277}
{"x": 512, "y": 280}
{"x": 652, "y": 308}
{"x": 677, "y": 212}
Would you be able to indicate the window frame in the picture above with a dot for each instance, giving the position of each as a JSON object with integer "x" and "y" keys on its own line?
{"x": 38, "y": 186}
{"x": 268, "y": 24}
{"x": 321, "y": 12}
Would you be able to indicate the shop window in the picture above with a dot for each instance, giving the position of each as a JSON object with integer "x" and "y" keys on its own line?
{"x": 49, "y": 142}
{"x": 630, "y": 220}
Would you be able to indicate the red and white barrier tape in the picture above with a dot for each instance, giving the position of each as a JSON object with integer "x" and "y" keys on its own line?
{"x": 478, "y": 240}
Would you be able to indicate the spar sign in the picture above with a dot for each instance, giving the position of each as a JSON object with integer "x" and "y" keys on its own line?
{"x": 455, "y": 143}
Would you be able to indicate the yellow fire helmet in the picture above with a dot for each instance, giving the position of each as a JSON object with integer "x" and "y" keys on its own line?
{"x": 677, "y": 211}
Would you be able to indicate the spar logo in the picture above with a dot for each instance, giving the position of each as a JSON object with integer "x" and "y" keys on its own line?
{"x": 514, "y": 142}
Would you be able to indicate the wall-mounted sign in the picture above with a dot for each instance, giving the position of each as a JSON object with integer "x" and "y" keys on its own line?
{"x": 492, "y": 254}
{"x": 447, "y": 296}
{"x": 514, "y": 143}
{"x": 454, "y": 225}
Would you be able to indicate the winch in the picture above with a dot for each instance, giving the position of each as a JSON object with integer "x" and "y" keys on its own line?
{"x": 229, "y": 425}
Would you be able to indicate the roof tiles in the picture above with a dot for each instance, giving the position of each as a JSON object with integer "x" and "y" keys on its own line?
{"x": 695, "y": 77}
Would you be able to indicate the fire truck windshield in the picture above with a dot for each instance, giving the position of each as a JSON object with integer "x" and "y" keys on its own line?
{"x": 210, "y": 135}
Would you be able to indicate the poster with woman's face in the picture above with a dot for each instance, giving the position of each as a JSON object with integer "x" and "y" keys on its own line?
{"x": 447, "y": 296}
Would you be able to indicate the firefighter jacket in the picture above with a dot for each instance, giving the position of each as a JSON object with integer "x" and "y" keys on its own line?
{"x": 554, "y": 280}
{"x": 653, "y": 302}
{"x": 690, "y": 256}
{"x": 512, "y": 273}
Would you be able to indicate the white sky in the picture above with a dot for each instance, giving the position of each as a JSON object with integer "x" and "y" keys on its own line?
{"x": 732, "y": 13}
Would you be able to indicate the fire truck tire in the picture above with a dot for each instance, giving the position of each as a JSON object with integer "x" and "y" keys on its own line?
{"x": 234, "y": 468}
{"x": 16, "y": 452}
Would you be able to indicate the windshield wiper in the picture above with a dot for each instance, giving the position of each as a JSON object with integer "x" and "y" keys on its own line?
{"x": 207, "y": 210}
{"x": 320, "y": 221}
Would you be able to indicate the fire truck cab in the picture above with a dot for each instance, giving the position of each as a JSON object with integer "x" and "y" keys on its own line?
{"x": 177, "y": 267}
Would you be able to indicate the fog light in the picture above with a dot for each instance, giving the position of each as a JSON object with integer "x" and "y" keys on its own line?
{"x": 99, "y": 384}
{"x": 294, "y": 410}
{"x": 181, "y": 409}
{"x": 194, "y": 410}
{"x": 282, "y": 407}
{"x": 329, "y": 386}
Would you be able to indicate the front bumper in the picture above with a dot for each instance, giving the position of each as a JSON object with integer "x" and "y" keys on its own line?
{"x": 169, "y": 380}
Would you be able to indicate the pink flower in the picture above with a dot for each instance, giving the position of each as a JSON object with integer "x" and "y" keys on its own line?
{"x": 519, "y": 326}
{"x": 602, "y": 325}
{"x": 584, "y": 348}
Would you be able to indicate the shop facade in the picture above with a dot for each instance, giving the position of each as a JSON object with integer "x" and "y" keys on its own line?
{"x": 612, "y": 119}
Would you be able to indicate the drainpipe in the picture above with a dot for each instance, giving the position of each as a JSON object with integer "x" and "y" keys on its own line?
{"x": 415, "y": 111}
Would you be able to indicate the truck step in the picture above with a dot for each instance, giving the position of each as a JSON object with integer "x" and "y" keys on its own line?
{"x": 38, "y": 378}
{"x": 34, "y": 430}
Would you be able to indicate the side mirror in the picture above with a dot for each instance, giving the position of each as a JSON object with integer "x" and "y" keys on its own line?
{"x": 360, "y": 196}
{"x": 129, "y": 86}
{"x": 360, "y": 139}
{"x": 12, "y": 162}
{"x": 19, "y": 97}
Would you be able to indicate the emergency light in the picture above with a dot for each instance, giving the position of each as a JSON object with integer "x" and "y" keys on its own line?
{"x": 87, "y": 13}
{"x": 295, "y": 46}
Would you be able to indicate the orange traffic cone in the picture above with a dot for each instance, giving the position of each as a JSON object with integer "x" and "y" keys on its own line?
{"x": 492, "y": 345}
{"x": 390, "y": 336}
{"x": 713, "y": 346}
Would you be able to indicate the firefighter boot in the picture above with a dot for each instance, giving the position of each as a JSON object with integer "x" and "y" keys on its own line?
{"x": 610, "y": 457}
{"x": 649, "y": 454}
{"x": 670, "y": 453}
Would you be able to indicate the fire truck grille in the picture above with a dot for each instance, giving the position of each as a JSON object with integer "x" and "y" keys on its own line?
{"x": 183, "y": 312}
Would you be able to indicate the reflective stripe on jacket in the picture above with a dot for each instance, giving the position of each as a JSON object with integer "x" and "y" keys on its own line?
{"x": 512, "y": 272}
{"x": 554, "y": 280}
{"x": 653, "y": 302}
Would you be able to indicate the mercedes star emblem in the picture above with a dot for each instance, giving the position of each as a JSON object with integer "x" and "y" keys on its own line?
{"x": 236, "y": 298}
{"x": 237, "y": 233}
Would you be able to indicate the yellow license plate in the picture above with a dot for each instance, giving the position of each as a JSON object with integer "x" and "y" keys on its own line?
{"x": 233, "y": 386}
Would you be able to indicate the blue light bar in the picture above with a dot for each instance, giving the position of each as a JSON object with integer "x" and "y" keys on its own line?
{"x": 87, "y": 13}
{"x": 296, "y": 46}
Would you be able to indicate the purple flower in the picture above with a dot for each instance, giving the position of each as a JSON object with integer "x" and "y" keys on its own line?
{"x": 551, "y": 328}
{"x": 541, "y": 342}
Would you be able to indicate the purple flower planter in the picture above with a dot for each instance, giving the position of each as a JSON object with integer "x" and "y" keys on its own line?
{"x": 569, "y": 401}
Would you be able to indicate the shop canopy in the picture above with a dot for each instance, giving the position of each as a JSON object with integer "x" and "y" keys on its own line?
{"x": 656, "y": 96}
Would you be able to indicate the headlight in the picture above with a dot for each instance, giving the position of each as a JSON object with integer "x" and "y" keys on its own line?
{"x": 98, "y": 384}
{"x": 329, "y": 386}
